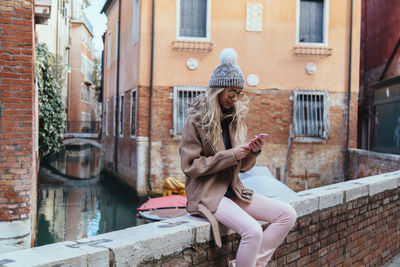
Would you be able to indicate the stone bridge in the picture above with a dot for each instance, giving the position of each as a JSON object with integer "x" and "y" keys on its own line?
{"x": 82, "y": 132}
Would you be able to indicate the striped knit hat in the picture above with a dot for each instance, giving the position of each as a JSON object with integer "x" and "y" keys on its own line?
{"x": 227, "y": 73}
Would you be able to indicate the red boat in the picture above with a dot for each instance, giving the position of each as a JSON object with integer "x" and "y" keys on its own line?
{"x": 160, "y": 208}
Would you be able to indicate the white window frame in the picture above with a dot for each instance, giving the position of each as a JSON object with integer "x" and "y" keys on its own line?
{"x": 300, "y": 124}
{"x": 107, "y": 115}
{"x": 178, "y": 24}
{"x": 135, "y": 23}
{"x": 134, "y": 91}
{"x": 179, "y": 88}
{"x": 109, "y": 49}
{"x": 325, "y": 27}
{"x": 121, "y": 115}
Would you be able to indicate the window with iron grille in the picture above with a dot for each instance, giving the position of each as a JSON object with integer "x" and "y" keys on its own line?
{"x": 310, "y": 114}
{"x": 183, "y": 95}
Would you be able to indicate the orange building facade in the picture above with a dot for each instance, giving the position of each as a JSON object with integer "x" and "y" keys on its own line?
{"x": 298, "y": 61}
{"x": 81, "y": 92}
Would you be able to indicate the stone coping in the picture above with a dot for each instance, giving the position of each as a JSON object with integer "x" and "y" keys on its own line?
{"x": 131, "y": 246}
{"x": 379, "y": 155}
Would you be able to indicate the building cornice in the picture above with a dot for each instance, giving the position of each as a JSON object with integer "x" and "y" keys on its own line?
{"x": 107, "y": 6}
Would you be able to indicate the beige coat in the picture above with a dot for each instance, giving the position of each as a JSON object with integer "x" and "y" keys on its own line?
{"x": 209, "y": 170}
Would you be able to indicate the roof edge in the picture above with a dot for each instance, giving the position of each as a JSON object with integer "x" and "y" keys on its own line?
{"x": 106, "y": 6}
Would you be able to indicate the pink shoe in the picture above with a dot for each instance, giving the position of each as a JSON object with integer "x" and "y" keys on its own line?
{"x": 232, "y": 263}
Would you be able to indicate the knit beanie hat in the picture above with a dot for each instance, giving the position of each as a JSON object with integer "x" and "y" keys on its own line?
{"x": 227, "y": 73}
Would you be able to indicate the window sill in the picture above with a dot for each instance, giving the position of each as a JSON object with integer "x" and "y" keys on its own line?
{"x": 321, "y": 51}
{"x": 193, "y": 46}
{"x": 301, "y": 139}
{"x": 176, "y": 137}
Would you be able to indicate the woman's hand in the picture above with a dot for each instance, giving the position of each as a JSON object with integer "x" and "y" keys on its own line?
{"x": 241, "y": 151}
{"x": 256, "y": 144}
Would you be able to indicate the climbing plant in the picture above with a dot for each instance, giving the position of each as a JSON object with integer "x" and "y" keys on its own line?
{"x": 51, "y": 107}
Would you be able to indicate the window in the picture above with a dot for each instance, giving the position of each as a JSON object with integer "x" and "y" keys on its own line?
{"x": 183, "y": 95}
{"x": 133, "y": 112}
{"x": 115, "y": 114}
{"x": 135, "y": 22}
{"x": 108, "y": 49}
{"x": 86, "y": 97}
{"x": 310, "y": 114}
{"x": 193, "y": 18}
{"x": 312, "y": 21}
{"x": 116, "y": 39}
{"x": 121, "y": 115}
{"x": 107, "y": 116}
{"x": 82, "y": 92}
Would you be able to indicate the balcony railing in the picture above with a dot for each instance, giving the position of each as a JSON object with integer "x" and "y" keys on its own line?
{"x": 42, "y": 11}
{"x": 83, "y": 127}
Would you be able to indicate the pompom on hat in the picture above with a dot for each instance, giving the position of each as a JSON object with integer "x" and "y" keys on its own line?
{"x": 227, "y": 73}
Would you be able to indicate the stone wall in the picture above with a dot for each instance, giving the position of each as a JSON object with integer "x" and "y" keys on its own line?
{"x": 354, "y": 223}
{"x": 365, "y": 163}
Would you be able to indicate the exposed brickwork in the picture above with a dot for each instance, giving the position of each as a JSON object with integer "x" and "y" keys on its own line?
{"x": 270, "y": 111}
{"x": 17, "y": 98}
{"x": 365, "y": 163}
{"x": 363, "y": 232}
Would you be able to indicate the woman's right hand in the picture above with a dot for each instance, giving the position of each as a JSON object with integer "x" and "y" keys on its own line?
{"x": 241, "y": 151}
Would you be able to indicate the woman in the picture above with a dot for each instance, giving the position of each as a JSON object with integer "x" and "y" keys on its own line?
{"x": 213, "y": 150}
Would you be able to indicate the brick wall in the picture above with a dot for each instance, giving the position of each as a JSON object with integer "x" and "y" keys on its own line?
{"x": 270, "y": 111}
{"x": 364, "y": 231}
{"x": 17, "y": 116}
{"x": 365, "y": 163}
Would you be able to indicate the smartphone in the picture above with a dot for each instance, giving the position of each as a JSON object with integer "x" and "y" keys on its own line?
{"x": 260, "y": 136}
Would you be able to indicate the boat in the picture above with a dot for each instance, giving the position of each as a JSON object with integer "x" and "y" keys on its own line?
{"x": 165, "y": 207}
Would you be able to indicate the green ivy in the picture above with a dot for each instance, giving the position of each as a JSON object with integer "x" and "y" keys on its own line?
{"x": 51, "y": 107}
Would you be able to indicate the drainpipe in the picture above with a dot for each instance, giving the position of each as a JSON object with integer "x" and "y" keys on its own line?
{"x": 347, "y": 156}
{"x": 117, "y": 93}
{"x": 151, "y": 95}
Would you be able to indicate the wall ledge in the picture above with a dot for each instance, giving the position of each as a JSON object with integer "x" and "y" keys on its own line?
{"x": 368, "y": 153}
{"x": 132, "y": 246}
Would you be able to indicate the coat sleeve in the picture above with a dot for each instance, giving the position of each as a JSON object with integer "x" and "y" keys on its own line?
{"x": 193, "y": 163}
{"x": 248, "y": 162}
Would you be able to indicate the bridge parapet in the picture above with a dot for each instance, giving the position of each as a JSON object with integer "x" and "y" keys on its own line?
{"x": 354, "y": 223}
{"x": 83, "y": 127}
{"x": 82, "y": 132}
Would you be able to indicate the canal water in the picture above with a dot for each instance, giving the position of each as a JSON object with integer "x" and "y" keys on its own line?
{"x": 76, "y": 200}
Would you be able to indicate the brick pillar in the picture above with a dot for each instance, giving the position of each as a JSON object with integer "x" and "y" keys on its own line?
{"x": 18, "y": 149}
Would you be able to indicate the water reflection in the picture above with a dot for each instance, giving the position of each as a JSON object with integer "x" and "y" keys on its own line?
{"x": 70, "y": 209}
{"x": 77, "y": 162}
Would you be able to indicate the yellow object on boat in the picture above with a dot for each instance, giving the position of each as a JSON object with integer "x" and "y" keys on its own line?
{"x": 173, "y": 186}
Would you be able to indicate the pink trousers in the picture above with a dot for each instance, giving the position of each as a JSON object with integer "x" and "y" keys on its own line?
{"x": 256, "y": 247}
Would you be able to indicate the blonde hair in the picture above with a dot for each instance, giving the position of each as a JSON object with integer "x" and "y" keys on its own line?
{"x": 210, "y": 112}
